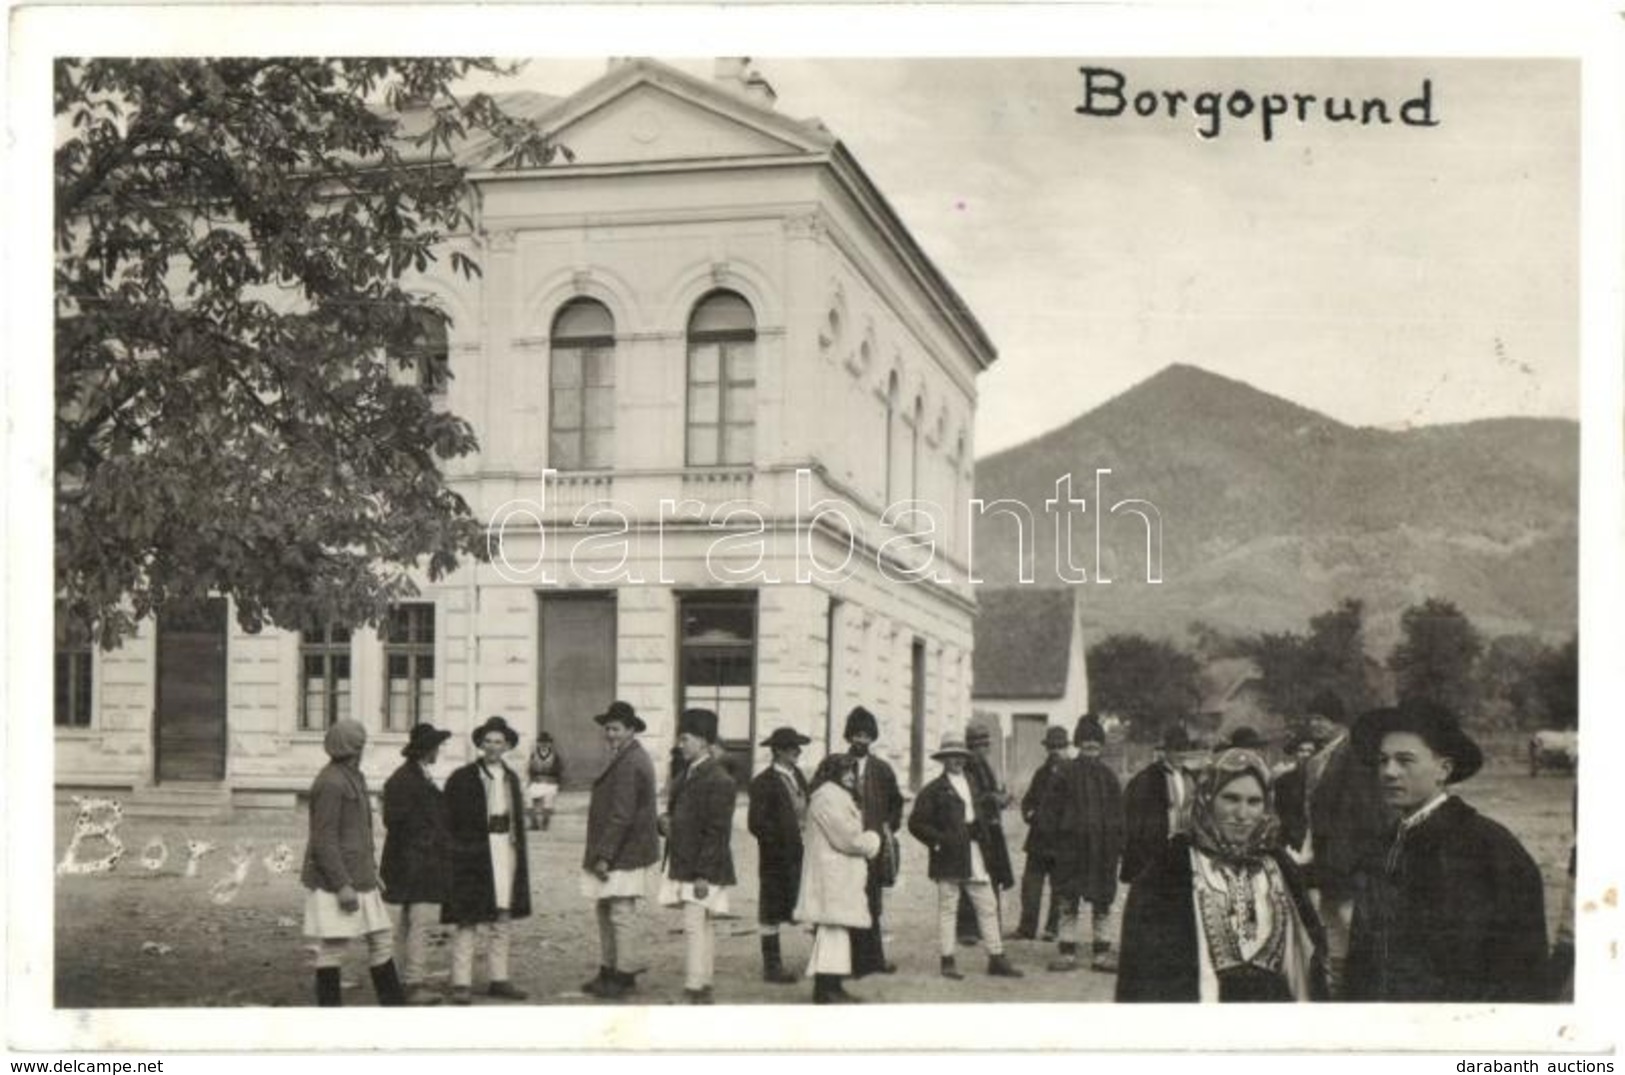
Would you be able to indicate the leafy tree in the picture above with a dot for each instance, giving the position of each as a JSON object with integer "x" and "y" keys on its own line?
{"x": 1150, "y": 684}
{"x": 1329, "y": 660}
{"x": 1507, "y": 674}
{"x": 1557, "y": 683}
{"x": 1286, "y": 671}
{"x": 235, "y": 241}
{"x": 1435, "y": 656}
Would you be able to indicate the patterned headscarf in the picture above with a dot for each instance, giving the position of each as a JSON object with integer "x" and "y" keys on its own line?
{"x": 1206, "y": 833}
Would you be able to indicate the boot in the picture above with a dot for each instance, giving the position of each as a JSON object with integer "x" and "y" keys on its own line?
{"x": 1068, "y": 960}
{"x": 999, "y": 967}
{"x": 1052, "y": 922}
{"x": 823, "y": 992}
{"x": 547, "y": 819}
{"x": 950, "y": 969}
{"x": 595, "y": 987}
{"x": 421, "y": 996}
{"x": 838, "y": 993}
{"x": 616, "y": 985}
{"x": 329, "y": 988}
{"x": 1104, "y": 959}
{"x": 387, "y": 984}
{"x": 773, "y": 963}
{"x": 535, "y": 821}
{"x": 506, "y": 991}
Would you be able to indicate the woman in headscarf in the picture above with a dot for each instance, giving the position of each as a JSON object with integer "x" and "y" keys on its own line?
{"x": 834, "y": 875}
{"x": 1221, "y": 914}
{"x": 342, "y": 898}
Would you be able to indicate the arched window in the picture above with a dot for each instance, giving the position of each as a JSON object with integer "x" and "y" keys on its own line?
{"x": 891, "y": 438}
{"x": 721, "y": 381}
{"x": 914, "y": 450}
{"x": 430, "y": 353}
{"x": 581, "y": 398}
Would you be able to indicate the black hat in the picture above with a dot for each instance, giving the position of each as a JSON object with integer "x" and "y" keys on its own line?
{"x": 860, "y": 720}
{"x": 784, "y": 738}
{"x": 1176, "y": 739}
{"x": 621, "y": 713}
{"x": 1089, "y": 730}
{"x": 700, "y": 722}
{"x": 1328, "y": 705}
{"x": 978, "y": 735}
{"x": 1054, "y": 737}
{"x": 496, "y": 724}
{"x": 1244, "y": 738}
{"x": 1433, "y": 723}
{"x": 424, "y": 738}
{"x": 544, "y": 737}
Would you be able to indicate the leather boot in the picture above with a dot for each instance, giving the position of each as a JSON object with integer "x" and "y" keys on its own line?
{"x": 329, "y": 988}
{"x": 821, "y": 989}
{"x": 387, "y": 984}
{"x": 1104, "y": 959}
{"x": 773, "y": 962}
{"x": 950, "y": 969}
{"x": 595, "y": 988}
{"x": 1068, "y": 960}
{"x": 999, "y": 966}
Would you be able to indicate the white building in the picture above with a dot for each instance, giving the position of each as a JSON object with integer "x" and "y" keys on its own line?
{"x": 708, "y": 312}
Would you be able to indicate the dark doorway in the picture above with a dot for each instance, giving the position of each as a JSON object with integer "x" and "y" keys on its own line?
{"x": 191, "y": 709}
{"x": 916, "y": 738}
{"x": 577, "y": 678}
{"x": 717, "y": 661}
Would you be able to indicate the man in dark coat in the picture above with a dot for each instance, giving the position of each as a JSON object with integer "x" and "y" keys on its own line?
{"x": 1041, "y": 810}
{"x": 1089, "y": 843}
{"x": 778, "y": 808}
{"x": 699, "y": 854}
{"x": 1453, "y": 911}
{"x": 1292, "y": 793}
{"x": 622, "y": 844}
{"x": 955, "y": 825}
{"x": 985, "y": 785}
{"x": 1347, "y": 822}
{"x": 490, "y": 874}
{"x": 1156, "y": 803}
{"x": 413, "y": 867}
{"x": 882, "y": 803}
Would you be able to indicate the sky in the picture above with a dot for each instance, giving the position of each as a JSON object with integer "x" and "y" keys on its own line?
{"x": 1384, "y": 275}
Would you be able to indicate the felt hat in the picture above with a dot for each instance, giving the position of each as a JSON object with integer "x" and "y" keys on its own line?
{"x": 1245, "y": 738}
{"x": 344, "y": 739}
{"x": 698, "y": 722}
{"x": 1176, "y": 740}
{"x": 784, "y": 738}
{"x": 1055, "y": 737}
{"x": 953, "y": 746}
{"x": 978, "y": 735}
{"x": 1435, "y": 725}
{"x": 496, "y": 724}
{"x": 424, "y": 738}
{"x": 861, "y": 721}
{"x": 1089, "y": 730}
{"x": 621, "y": 713}
{"x": 1329, "y": 706}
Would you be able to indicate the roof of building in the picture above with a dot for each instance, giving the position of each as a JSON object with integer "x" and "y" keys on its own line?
{"x": 1224, "y": 678}
{"x": 1024, "y": 640}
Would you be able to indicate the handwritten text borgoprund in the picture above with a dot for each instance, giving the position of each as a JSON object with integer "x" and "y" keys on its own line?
{"x": 1108, "y": 94}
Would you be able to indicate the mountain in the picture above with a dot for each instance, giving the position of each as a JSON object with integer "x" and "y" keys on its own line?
{"x": 1272, "y": 512}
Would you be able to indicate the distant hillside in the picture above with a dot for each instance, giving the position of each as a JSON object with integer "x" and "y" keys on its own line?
{"x": 1272, "y": 512}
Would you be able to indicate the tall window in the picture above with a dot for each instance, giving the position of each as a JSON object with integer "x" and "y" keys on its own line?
{"x": 721, "y": 381}
{"x": 430, "y": 353}
{"x": 409, "y": 666}
{"x": 324, "y": 677}
{"x": 581, "y": 400}
{"x": 914, "y": 450}
{"x": 891, "y": 437}
{"x": 718, "y": 663}
{"x": 73, "y": 672}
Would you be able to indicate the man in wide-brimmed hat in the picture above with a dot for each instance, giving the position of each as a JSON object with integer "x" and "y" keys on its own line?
{"x": 778, "y": 809}
{"x": 954, "y": 823}
{"x": 1455, "y": 909}
{"x": 699, "y": 853}
{"x": 882, "y": 804}
{"x": 1157, "y": 801}
{"x": 1089, "y": 842}
{"x": 490, "y": 871}
{"x": 414, "y": 865}
{"x": 622, "y": 843}
{"x": 1041, "y": 810}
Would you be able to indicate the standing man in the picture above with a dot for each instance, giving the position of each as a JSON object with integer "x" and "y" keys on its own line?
{"x": 546, "y": 774}
{"x": 952, "y": 821}
{"x": 621, "y": 846}
{"x": 1454, "y": 910}
{"x": 490, "y": 872}
{"x": 413, "y": 868}
{"x": 778, "y": 809}
{"x": 1157, "y": 802}
{"x": 882, "y": 805}
{"x": 1041, "y": 810}
{"x": 996, "y": 798}
{"x": 699, "y": 856}
{"x": 1089, "y": 842}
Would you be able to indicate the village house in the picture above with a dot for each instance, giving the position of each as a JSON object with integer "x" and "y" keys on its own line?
{"x": 702, "y": 359}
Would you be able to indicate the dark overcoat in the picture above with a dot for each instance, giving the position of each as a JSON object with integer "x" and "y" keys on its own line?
{"x": 415, "y": 866}
{"x": 472, "y": 896}
{"x": 1089, "y": 836}
{"x": 702, "y": 812}
{"x": 621, "y": 822}
{"x": 882, "y": 803}
{"x": 1348, "y": 819}
{"x": 773, "y": 820}
{"x": 340, "y": 850}
{"x": 1145, "y": 820}
{"x": 1292, "y": 806}
{"x": 1041, "y": 806}
{"x": 938, "y": 822}
{"x": 1459, "y": 918}
{"x": 990, "y": 803}
{"x": 1159, "y": 961}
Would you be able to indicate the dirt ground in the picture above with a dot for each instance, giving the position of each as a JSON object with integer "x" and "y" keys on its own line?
{"x": 154, "y": 938}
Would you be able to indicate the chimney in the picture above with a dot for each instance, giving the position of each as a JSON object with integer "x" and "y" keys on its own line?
{"x": 758, "y": 89}
{"x": 734, "y": 74}
{"x": 731, "y": 70}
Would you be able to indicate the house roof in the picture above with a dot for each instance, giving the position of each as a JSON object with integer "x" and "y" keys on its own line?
{"x": 1223, "y": 679}
{"x": 1024, "y": 640}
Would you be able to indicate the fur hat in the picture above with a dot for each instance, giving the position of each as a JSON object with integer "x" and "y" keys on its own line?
{"x": 424, "y": 738}
{"x": 496, "y": 724}
{"x": 621, "y": 713}
{"x": 698, "y": 722}
{"x": 1089, "y": 730}
{"x": 861, "y": 721}
{"x": 1055, "y": 737}
{"x": 1435, "y": 725}
{"x": 784, "y": 738}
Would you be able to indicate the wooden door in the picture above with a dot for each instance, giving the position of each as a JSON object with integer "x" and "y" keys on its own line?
{"x": 577, "y": 665}
{"x": 1028, "y": 752}
{"x": 191, "y": 711}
